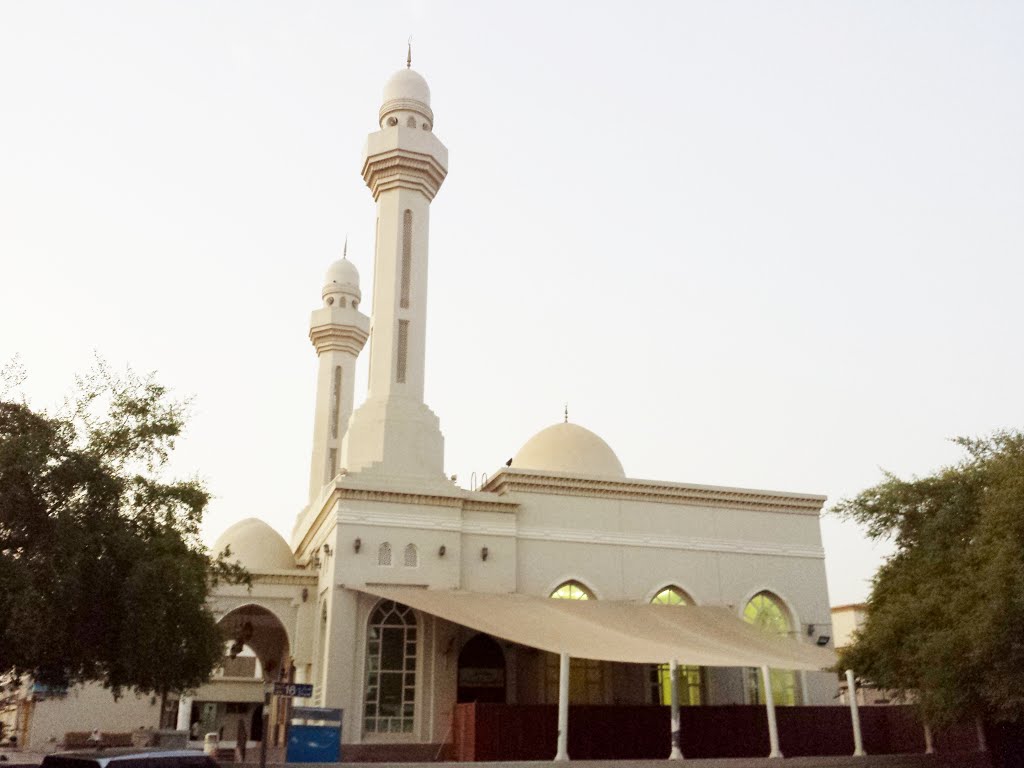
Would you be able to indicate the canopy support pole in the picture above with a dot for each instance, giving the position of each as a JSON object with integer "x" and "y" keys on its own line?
{"x": 980, "y": 728}
{"x": 929, "y": 744}
{"x": 769, "y": 704}
{"x": 851, "y": 691}
{"x": 563, "y": 707}
{"x": 673, "y": 671}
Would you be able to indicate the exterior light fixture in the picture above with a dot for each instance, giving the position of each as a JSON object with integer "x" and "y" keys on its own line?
{"x": 441, "y": 551}
{"x": 810, "y": 630}
{"x": 483, "y": 554}
{"x": 327, "y": 549}
{"x": 823, "y": 639}
{"x": 357, "y": 544}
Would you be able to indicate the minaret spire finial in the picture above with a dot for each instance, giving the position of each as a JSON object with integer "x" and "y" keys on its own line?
{"x": 344, "y": 253}
{"x": 566, "y": 413}
{"x": 408, "y": 58}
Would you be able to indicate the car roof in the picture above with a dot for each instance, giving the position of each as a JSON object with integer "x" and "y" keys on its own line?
{"x": 105, "y": 756}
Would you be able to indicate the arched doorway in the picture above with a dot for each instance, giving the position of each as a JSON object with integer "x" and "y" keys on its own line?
{"x": 481, "y": 671}
{"x": 256, "y": 651}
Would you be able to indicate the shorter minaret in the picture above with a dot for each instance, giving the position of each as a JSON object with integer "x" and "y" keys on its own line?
{"x": 338, "y": 330}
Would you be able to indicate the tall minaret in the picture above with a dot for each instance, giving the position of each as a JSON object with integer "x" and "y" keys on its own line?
{"x": 338, "y": 330}
{"x": 394, "y": 432}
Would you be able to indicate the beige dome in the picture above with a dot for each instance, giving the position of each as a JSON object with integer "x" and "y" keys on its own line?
{"x": 571, "y": 449}
{"x": 342, "y": 272}
{"x": 256, "y": 545}
{"x": 407, "y": 85}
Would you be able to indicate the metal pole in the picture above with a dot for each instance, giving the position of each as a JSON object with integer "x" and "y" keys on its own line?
{"x": 563, "y": 708}
{"x": 929, "y": 744}
{"x": 673, "y": 671}
{"x": 851, "y": 691}
{"x": 980, "y": 727}
{"x": 266, "y": 729}
{"x": 769, "y": 703}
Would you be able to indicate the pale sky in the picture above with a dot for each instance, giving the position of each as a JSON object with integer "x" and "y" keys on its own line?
{"x": 771, "y": 245}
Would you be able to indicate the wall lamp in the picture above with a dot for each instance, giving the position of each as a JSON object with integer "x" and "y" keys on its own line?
{"x": 441, "y": 551}
{"x": 823, "y": 639}
{"x": 357, "y": 544}
{"x": 483, "y": 554}
{"x": 810, "y": 630}
{"x": 327, "y": 549}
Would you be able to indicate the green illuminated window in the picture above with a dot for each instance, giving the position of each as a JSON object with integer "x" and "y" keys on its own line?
{"x": 766, "y": 612}
{"x": 690, "y": 678}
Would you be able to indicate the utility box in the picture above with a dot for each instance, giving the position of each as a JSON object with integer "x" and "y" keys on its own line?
{"x": 314, "y": 735}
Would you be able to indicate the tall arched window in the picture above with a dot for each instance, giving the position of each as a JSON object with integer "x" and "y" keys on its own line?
{"x": 411, "y": 558}
{"x": 390, "y": 700}
{"x": 767, "y": 612}
{"x": 586, "y": 676}
{"x": 690, "y": 678}
{"x": 384, "y": 554}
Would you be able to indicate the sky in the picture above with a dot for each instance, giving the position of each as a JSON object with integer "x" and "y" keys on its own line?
{"x": 769, "y": 245}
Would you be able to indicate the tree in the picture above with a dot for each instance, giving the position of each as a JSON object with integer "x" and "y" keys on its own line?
{"x": 945, "y": 618}
{"x": 103, "y": 576}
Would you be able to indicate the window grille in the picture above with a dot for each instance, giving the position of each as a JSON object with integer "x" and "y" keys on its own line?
{"x": 389, "y": 702}
{"x": 335, "y": 401}
{"x": 406, "y": 281}
{"x": 403, "y": 350}
{"x": 384, "y": 554}
{"x": 412, "y": 557}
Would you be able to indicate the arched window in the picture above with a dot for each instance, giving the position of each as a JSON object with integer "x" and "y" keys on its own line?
{"x": 767, "y": 612}
{"x": 412, "y": 557}
{"x": 390, "y": 699}
{"x": 384, "y": 554}
{"x": 572, "y": 590}
{"x": 690, "y": 678}
{"x": 586, "y": 677}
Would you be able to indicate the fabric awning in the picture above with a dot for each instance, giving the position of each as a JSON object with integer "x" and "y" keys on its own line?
{"x": 615, "y": 631}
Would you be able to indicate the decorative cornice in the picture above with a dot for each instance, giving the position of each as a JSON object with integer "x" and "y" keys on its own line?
{"x": 403, "y": 168}
{"x": 297, "y": 579}
{"x": 338, "y": 338}
{"x": 409, "y": 105}
{"x": 532, "y": 481}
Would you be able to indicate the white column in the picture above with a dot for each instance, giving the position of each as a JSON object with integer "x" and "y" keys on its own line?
{"x": 673, "y": 671}
{"x": 184, "y": 713}
{"x": 769, "y": 703}
{"x": 929, "y": 744}
{"x": 851, "y": 692}
{"x": 563, "y": 707}
{"x": 980, "y": 728}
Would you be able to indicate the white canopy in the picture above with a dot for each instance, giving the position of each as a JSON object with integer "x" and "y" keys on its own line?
{"x": 615, "y": 631}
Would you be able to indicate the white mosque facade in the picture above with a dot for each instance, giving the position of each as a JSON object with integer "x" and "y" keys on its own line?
{"x": 562, "y": 520}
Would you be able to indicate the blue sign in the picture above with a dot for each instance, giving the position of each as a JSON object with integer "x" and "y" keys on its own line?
{"x": 314, "y": 743}
{"x": 298, "y": 690}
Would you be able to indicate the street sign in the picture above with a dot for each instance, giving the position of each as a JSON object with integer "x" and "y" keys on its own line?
{"x": 298, "y": 690}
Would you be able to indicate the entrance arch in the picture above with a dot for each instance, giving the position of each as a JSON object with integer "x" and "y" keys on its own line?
{"x": 481, "y": 671}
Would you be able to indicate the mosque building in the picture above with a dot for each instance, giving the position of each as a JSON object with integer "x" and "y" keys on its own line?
{"x": 345, "y": 603}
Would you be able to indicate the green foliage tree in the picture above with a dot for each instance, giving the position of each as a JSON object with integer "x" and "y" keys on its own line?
{"x": 103, "y": 576}
{"x": 945, "y": 620}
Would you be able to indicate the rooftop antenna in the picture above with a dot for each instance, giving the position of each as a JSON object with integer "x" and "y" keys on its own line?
{"x": 408, "y": 58}
{"x": 566, "y": 413}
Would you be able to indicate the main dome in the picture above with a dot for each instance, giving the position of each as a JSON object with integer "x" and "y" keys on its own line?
{"x": 571, "y": 449}
{"x": 256, "y": 546}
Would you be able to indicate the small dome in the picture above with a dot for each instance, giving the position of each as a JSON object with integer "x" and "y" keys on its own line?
{"x": 342, "y": 272}
{"x": 407, "y": 85}
{"x": 571, "y": 449}
{"x": 256, "y": 546}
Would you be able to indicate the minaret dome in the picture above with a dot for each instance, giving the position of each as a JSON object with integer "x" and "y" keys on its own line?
{"x": 341, "y": 284}
{"x": 406, "y": 101}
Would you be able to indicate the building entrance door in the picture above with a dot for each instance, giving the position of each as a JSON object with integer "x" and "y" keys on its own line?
{"x": 481, "y": 671}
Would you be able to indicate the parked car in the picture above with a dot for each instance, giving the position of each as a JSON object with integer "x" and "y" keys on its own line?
{"x": 130, "y": 758}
